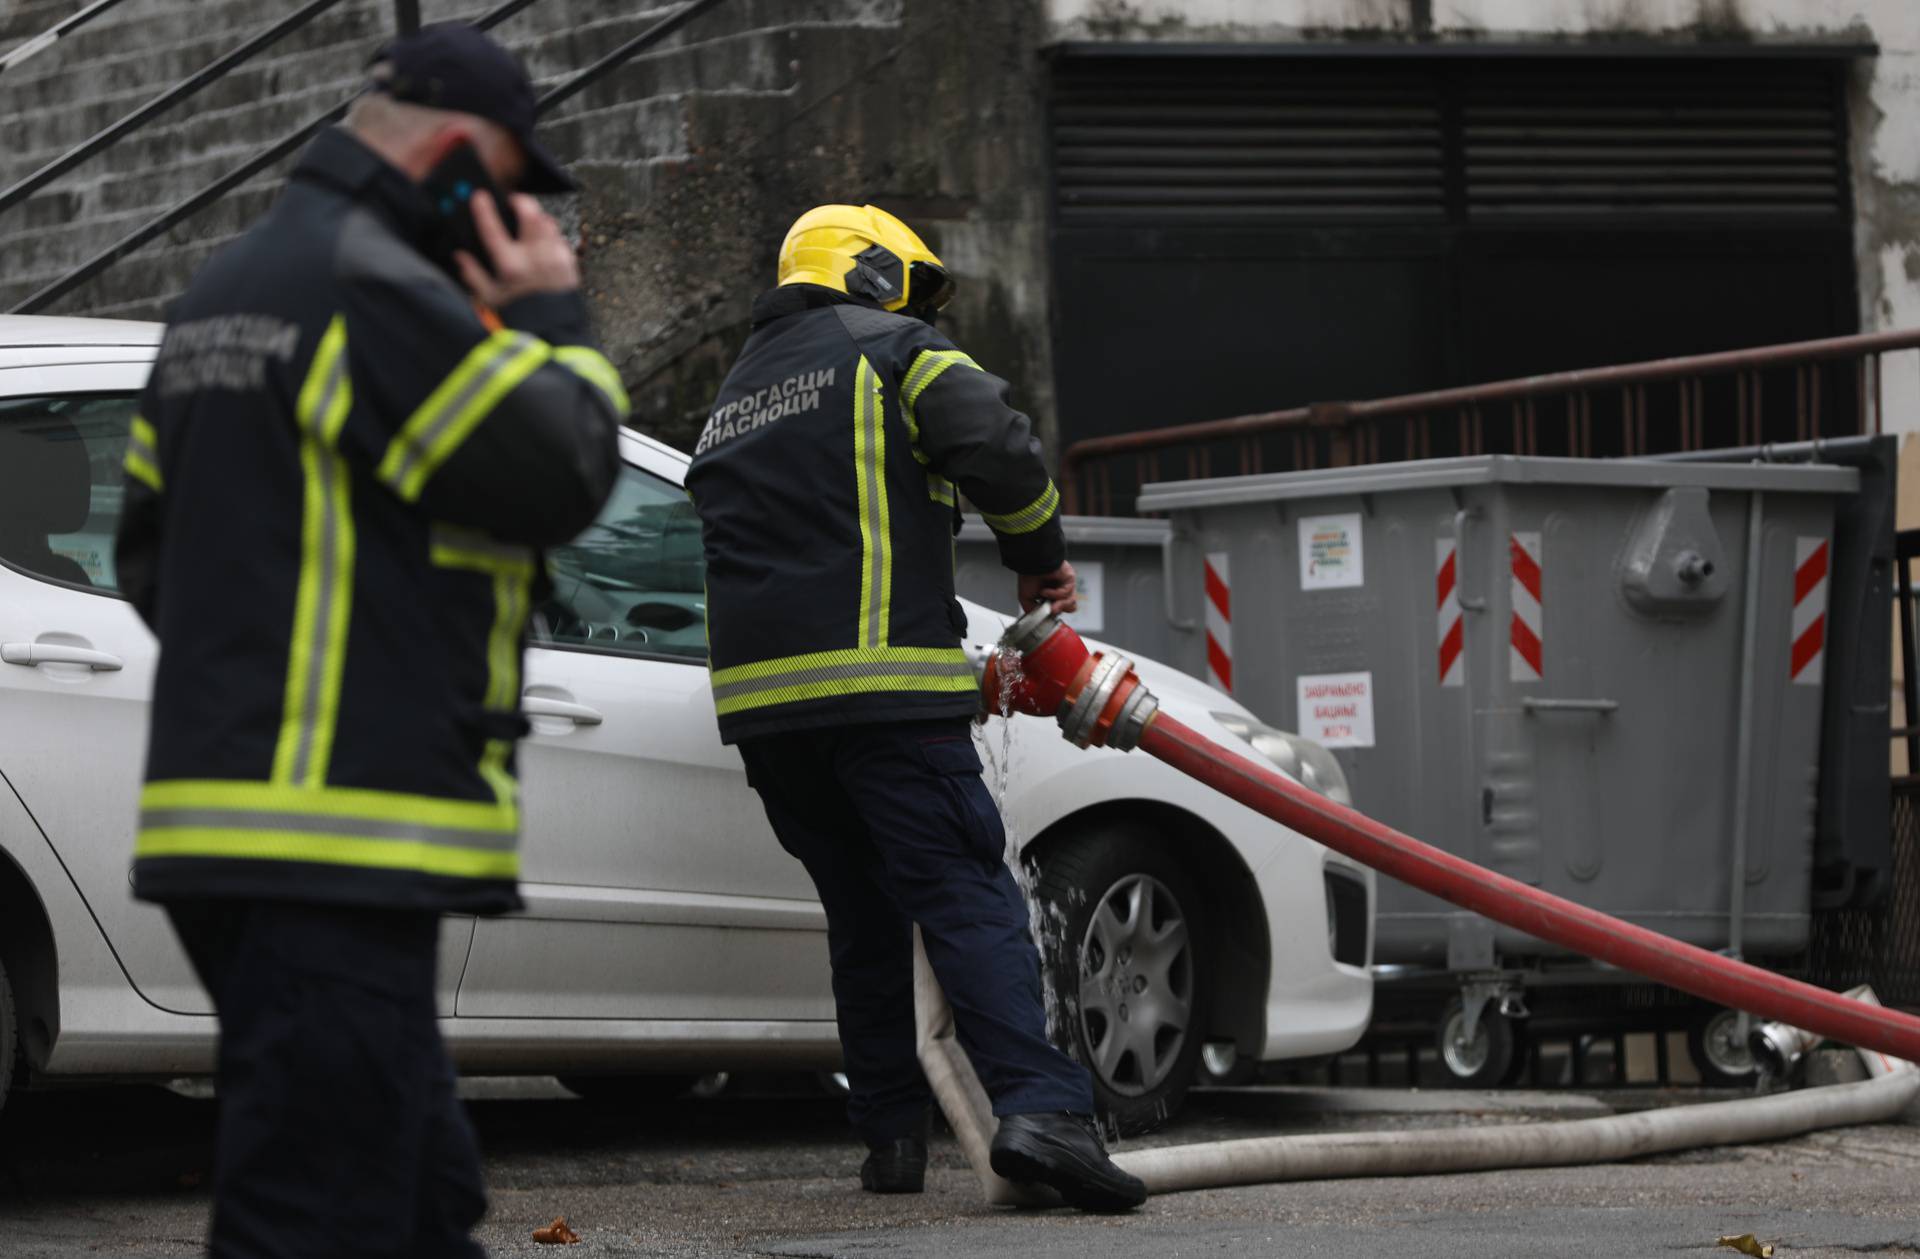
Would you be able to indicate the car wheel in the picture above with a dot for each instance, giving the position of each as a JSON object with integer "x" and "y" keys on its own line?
{"x": 630, "y": 1090}
{"x": 1487, "y": 1058}
{"x": 1129, "y": 970}
{"x": 1718, "y": 1053}
{"x": 9, "y": 1037}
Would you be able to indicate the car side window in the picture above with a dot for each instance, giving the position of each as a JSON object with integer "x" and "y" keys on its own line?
{"x": 635, "y": 581}
{"x": 61, "y": 485}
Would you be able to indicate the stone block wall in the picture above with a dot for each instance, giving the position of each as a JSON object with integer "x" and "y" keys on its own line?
{"x": 693, "y": 157}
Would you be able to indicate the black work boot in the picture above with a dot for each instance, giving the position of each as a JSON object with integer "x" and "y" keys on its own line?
{"x": 896, "y": 1166}
{"x": 1065, "y": 1152}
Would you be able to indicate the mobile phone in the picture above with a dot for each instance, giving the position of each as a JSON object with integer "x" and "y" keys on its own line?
{"x": 449, "y": 188}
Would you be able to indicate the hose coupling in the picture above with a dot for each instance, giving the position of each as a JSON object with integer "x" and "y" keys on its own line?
{"x": 1096, "y": 696}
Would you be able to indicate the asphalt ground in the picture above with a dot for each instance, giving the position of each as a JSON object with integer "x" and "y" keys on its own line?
{"x": 770, "y": 1170}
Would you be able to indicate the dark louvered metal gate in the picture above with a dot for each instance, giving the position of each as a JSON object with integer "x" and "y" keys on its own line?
{"x": 1238, "y": 233}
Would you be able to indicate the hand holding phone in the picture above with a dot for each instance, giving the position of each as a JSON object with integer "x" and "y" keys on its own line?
{"x": 502, "y": 248}
{"x": 539, "y": 261}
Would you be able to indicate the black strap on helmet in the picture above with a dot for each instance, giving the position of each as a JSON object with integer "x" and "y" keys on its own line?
{"x": 876, "y": 274}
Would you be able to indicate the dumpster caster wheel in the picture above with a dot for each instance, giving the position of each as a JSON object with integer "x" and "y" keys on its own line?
{"x": 1487, "y": 1058}
{"x": 1718, "y": 1053}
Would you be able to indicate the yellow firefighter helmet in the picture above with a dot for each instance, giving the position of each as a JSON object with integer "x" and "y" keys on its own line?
{"x": 863, "y": 251}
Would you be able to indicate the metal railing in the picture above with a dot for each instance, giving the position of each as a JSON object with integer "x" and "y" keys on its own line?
{"x": 115, "y": 132}
{"x": 1830, "y": 387}
{"x": 406, "y": 18}
{"x": 55, "y": 33}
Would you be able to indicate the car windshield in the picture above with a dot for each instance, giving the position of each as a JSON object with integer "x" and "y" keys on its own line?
{"x": 635, "y": 581}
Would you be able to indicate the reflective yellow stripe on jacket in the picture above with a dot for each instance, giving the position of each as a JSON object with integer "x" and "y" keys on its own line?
{"x": 337, "y": 826}
{"x": 828, "y": 674}
{"x": 324, "y": 596}
{"x": 925, "y": 370}
{"x": 512, "y": 569}
{"x": 490, "y": 371}
{"x": 876, "y": 525}
{"x": 592, "y": 366}
{"x": 1028, "y": 518}
{"x": 143, "y": 454}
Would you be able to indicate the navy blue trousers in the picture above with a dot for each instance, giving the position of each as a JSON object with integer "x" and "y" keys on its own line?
{"x": 339, "y": 1132}
{"x": 896, "y": 827}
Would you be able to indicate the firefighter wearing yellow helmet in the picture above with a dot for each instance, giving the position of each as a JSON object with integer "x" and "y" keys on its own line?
{"x": 865, "y": 252}
{"x": 828, "y": 482}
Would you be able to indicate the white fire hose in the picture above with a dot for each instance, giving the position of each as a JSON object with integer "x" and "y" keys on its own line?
{"x": 1265, "y": 1160}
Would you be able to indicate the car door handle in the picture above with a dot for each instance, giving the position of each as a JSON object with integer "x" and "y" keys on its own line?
{"x": 579, "y": 714}
{"x": 31, "y": 654}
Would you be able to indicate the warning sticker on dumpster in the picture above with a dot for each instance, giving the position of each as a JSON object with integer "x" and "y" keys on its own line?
{"x": 1330, "y": 552}
{"x": 1336, "y": 709}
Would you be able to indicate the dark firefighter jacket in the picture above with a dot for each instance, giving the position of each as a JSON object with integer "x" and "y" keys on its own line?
{"x": 336, "y": 488}
{"x": 825, "y": 482}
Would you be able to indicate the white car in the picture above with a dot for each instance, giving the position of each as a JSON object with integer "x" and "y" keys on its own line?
{"x": 665, "y": 930}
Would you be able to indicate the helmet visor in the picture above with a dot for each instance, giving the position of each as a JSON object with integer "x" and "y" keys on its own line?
{"x": 929, "y": 287}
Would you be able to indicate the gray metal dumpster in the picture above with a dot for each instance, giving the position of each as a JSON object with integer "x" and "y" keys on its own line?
{"x": 1121, "y": 569}
{"x": 1601, "y": 678}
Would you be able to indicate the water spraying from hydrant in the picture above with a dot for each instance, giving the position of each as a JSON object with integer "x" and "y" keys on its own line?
{"x": 1099, "y": 701}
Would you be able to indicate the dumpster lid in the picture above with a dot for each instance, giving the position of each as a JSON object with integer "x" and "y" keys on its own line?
{"x": 1087, "y": 531}
{"x": 1426, "y": 474}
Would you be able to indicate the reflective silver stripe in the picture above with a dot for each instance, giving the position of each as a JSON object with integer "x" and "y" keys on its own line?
{"x": 873, "y": 471}
{"x": 844, "y": 672}
{"x": 1028, "y": 518}
{"x": 326, "y": 591}
{"x": 138, "y": 448}
{"x": 323, "y": 824}
{"x": 513, "y": 600}
{"x": 419, "y": 442}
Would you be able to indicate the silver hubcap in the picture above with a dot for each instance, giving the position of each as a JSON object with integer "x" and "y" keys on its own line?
{"x": 1466, "y": 1055}
{"x": 1136, "y": 985}
{"x": 1725, "y": 1050}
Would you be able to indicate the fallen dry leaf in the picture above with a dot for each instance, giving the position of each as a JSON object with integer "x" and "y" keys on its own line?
{"x": 1747, "y": 1244}
{"x": 558, "y": 1234}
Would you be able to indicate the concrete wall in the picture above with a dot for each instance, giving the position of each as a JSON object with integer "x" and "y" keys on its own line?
{"x": 936, "y": 118}
{"x": 696, "y": 158}
{"x": 1885, "y": 93}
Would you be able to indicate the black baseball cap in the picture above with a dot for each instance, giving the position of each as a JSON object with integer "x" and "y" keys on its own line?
{"x": 453, "y": 65}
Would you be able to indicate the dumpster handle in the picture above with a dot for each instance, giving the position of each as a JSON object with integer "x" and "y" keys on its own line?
{"x": 1460, "y": 518}
{"x": 1166, "y": 584}
{"x": 1743, "y": 767}
{"x": 1533, "y": 705}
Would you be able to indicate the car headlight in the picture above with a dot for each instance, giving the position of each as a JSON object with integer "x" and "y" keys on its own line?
{"x": 1298, "y": 757}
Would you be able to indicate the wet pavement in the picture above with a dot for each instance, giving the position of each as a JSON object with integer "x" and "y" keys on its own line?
{"x": 122, "y": 1172}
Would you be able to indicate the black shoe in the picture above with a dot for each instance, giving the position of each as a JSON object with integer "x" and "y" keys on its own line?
{"x": 1065, "y": 1152}
{"x": 898, "y": 1166}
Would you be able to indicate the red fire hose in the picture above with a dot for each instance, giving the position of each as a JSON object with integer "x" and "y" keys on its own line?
{"x": 1100, "y": 702}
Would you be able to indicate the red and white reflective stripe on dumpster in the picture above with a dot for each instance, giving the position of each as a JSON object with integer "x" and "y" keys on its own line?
{"x": 1452, "y": 634}
{"x": 1810, "y": 556}
{"x": 1219, "y": 622}
{"x": 1527, "y": 636}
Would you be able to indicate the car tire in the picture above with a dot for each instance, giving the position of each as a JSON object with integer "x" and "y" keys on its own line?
{"x": 9, "y": 1037}
{"x": 1489, "y": 1059}
{"x": 1130, "y": 943}
{"x": 1719, "y": 1059}
{"x": 630, "y": 1090}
